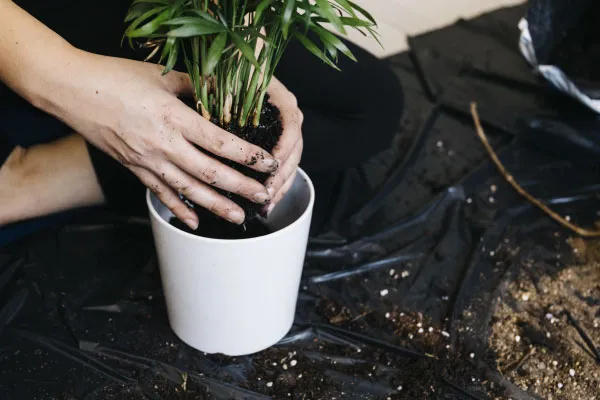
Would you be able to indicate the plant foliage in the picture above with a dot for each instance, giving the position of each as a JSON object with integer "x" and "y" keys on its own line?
{"x": 232, "y": 47}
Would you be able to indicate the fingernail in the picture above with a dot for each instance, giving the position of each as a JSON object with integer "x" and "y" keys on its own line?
{"x": 272, "y": 164}
{"x": 262, "y": 198}
{"x": 271, "y": 191}
{"x": 235, "y": 216}
{"x": 192, "y": 223}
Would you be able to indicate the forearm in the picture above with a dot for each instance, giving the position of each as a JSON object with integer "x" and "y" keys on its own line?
{"x": 33, "y": 59}
{"x": 46, "y": 179}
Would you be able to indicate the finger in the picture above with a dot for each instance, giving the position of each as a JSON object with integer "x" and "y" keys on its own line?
{"x": 167, "y": 196}
{"x": 281, "y": 193}
{"x": 292, "y": 134}
{"x": 215, "y": 173}
{"x": 275, "y": 182}
{"x": 227, "y": 145}
{"x": 291, "y": 119}
{"x": 201, "y": 194}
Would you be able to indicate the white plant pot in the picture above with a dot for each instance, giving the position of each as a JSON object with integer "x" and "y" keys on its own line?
{"x": 235, "y": 297}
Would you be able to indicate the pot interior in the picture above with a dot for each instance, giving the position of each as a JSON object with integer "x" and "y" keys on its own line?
{"x": 294, "y": 204}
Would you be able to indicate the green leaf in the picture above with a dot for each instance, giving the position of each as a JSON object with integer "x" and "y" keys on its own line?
{"x": 166, "y": 51}
{"x": 286, "y": 18}
{"x": 310, "y": 46}
{"x": 329, "y": 13}
{"x": 214, "y": 53}
{"x": 307, "y": 14}
{"x": 363, "y": 12}
{"x": 137, "y": 10}
{"x": 204, "y": 14}
{"x": 260, "y": 9}
{"x": 144, "y": 5}
{"x": 254, "y": 33}
{"x": 222, "y": 17}
{"x": 329, "y": 38}
{"x": 196, "y": 29}
{"x": 149, "y": 27}
{"x": 346, "y": 6}
{"x": 245, "y": 48}
{"x": 189, "y": 20}
{"x": 163, "y": 2}
{"x": 333, "y": 52}
{"x": 348, "y": 21}
{"x": 172, "y": 60}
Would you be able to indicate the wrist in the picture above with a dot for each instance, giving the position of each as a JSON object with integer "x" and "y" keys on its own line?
{"x": 49, "y": 84}
{"x": 34, "y": 60}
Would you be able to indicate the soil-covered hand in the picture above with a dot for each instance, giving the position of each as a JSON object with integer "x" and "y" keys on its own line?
{"x": 132, "y": 112}
{"x": 288, "y": 150}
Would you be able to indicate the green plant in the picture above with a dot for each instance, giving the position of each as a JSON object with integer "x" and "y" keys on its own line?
{"x": 232, "y": 47}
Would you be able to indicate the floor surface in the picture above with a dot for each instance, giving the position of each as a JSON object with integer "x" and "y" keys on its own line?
{"x": 398, "y": 19}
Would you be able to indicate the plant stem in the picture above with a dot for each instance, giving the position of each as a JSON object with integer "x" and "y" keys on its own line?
{"x": 242, "y": 89}
{"x": 259, "y": 106}
{"x": 252, "y": 90}
{"x": 220, "y": 91}
{"x": 205, "y": 82}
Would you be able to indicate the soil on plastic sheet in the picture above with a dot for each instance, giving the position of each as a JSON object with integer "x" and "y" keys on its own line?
{"x": 418, "y": 361}
{"x": 577, "y": 53}
{"x": 265, "y": 136}
{"x": 546, "y": 331}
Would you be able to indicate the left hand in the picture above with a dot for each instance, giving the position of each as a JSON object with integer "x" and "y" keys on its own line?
{"x": 288, "y": 150}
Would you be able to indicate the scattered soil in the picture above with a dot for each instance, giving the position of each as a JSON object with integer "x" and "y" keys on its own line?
{"x": 546, "y": 331}
{"x": 415, "y": 361}
{"x": 265, "y": 136}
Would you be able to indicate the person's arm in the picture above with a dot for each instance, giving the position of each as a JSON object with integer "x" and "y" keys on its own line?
{"x": 129, "y": 110}
{"x": 46, "y": 179}
{"x": 31, "y": 55}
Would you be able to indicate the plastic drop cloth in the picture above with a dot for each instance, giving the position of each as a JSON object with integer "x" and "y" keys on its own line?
{"x": 397, "y": 297}
{"x": 559, "y": 38}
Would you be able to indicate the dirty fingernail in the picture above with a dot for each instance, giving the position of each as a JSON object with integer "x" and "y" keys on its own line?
{"x": 192, "y": 223}
{"x": 262, "y": 198}
{"x": 272, "y": 164}
{"x": 235, "y": 216}
{"x": 271, "y": 191}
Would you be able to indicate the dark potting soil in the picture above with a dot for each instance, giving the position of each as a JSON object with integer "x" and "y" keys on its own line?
{"x": 577, "y": 52}
{"x": 546, "y": 330}
{"x": 215, "y": 227}
{"x": 265, "y": 136}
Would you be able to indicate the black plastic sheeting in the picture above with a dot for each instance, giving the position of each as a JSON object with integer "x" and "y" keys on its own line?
{"x": 81, "y": 309}
{"x": 564, "y": 34}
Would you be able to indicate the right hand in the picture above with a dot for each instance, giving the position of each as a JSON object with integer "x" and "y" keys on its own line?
{"x": 132, "y": 112}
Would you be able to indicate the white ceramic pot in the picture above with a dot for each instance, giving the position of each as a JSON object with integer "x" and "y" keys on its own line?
{"x": 235, "y": 297}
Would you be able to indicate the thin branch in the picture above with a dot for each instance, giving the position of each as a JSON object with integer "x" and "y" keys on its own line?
{"x": 519, "y": 363}
{"x": 509, "y": 178}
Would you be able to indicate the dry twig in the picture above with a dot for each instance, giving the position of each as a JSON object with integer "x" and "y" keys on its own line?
{"x": 509, "y": 178}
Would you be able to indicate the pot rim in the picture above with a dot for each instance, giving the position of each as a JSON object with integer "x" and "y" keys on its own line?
{"x": 300, "y": 219}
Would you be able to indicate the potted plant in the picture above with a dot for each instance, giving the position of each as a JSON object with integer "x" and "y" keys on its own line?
{"x": 236, "y": 293}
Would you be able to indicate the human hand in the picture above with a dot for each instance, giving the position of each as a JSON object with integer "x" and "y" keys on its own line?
{"x": 132, "y": 112}
{"x": 288, "y": 150}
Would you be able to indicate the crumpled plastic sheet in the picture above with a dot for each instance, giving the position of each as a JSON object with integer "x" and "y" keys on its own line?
{"x": 82, "y": 314}
{"x": 559, "y": 40}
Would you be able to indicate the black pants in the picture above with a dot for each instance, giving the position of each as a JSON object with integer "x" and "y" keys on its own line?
{"x": 349, "y": 115}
